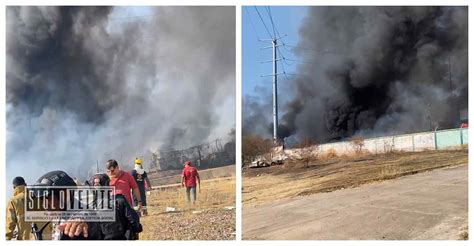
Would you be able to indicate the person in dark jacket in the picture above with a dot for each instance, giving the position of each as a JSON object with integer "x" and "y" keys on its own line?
{"x": 64, "y": 229}
{"x": 129, "y": 218}
{"x": 127, "y": 224}
{"x": 126, "y": 218}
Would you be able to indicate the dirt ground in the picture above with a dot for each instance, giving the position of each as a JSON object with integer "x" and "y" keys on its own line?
{"x": 430, "y": 205}
{"x": 212, "y": 218}
{"x": 292, "y": 179}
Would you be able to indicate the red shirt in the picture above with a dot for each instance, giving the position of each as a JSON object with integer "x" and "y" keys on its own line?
{"x": 190, "y": 173}
{"x": 123, "y": 184}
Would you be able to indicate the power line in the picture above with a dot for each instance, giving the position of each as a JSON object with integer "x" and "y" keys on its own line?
{"x": 276, "y": 53}
{"x": 275, "y": 32}
{"x": 271, "y": 19}
{"x": 261, "y": 19}
{"x": 314, "y": 50}
{"x": 295, "y": 74}
{"x": 282, "y": 59}
{"x": 308, "y": 62}
{"x": 275, "y": 29}
{"x": 286, "y": 62}
{"x": 251, "y": 23}
{"x": 275, "y": 73}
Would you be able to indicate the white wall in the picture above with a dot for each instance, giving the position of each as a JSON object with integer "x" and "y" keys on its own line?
{"x": 408, "y": 142}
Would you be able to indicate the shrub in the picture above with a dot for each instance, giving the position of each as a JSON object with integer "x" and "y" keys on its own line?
{"x": 255, "y": 146}
{"x": 308, "y": 150}
{"x": 358, "y": 144}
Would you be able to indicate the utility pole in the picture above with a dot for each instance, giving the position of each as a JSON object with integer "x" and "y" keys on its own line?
{"x": 275, "y": 84}
{"x": 275, "y": 93}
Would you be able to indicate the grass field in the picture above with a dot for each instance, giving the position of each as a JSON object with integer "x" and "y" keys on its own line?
{"x": 174, "y": 176}
{"x": 209, "y": 219}
{"x": 331, "y": 173}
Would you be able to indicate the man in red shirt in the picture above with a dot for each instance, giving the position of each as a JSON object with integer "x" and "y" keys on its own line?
{"x": 189, "y": 176}
{"x": 123, "y": 182}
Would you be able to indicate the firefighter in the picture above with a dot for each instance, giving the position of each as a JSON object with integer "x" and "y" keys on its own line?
{"x": 143, "y": 183}
{"x": 16, "y": 212}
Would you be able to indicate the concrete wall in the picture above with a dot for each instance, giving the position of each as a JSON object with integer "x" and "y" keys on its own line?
{"x": 403, "y": 143}
{"x": 422, "y": 141}
{"x": 448, "y": 139}
{"x": 338, "y": 148}
{"x": 465, "y": 138}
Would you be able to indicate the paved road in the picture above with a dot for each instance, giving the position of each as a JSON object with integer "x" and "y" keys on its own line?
{"x": 431, "y": 205}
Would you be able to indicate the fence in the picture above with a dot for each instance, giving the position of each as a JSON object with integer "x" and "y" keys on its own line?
{"x": 444, "y": 139}
{"x": 206, "y": 155}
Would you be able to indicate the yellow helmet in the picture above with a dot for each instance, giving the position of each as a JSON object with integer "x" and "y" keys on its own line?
{"x": 138, "y": 161}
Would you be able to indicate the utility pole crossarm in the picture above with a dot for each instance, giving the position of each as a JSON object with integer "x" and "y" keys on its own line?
{"x": 272, "y": 39}
{"x": 271, "y": 75}
{"x": 270, "y": 61}
{"x": 269, "y": 47}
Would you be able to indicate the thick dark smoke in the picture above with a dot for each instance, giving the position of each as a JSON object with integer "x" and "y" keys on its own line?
{"x": 87, "y": 84}
{"x": 379, "y": 71}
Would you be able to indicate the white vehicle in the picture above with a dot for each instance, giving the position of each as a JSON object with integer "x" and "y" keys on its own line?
{"x": 258, "y": 163}
{"x": 263, "y": 163}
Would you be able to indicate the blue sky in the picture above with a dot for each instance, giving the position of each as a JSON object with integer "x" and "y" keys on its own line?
{"x": 287, "y": 20}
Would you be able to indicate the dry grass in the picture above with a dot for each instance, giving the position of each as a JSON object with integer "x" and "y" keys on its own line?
{"x": 388, "y": 171}
{"x": 330, "y": 154}
{"x": 207, "y": 220}
{"x": 325, "y": 175}
{"x": 174, "y": 176}
{"x": 358, "y": 144}
{"x": 214, "y": 192}
{"x": 464, "y": 234}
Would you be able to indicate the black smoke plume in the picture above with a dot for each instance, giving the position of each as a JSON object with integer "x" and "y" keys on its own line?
{"x": 87, "y": 84}
{"x": 373, "y": 71}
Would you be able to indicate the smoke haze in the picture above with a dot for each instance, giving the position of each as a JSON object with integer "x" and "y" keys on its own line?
{"x": 86, "y": 85}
